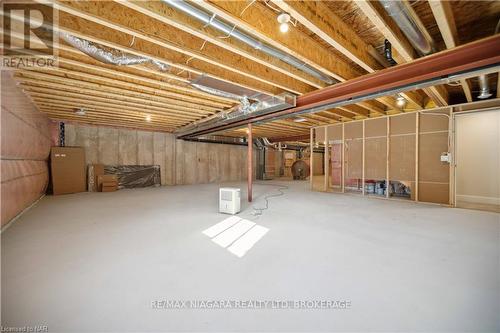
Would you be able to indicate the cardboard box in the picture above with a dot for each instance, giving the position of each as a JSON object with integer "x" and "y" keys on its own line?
{"x": 94, "y": 170}
{"x": 110, "y": 180}
{"x": 67, "y": 166}
{"x": 109, "y": 188}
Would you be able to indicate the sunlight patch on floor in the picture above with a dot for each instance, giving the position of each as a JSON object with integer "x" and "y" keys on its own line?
{"x": 235, "y": 234}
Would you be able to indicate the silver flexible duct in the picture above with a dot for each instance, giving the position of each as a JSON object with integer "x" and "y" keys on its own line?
{"x": 229, "y": 30}
{"x": 408, "y": 23}
{"x": 215, "y": 92}
{"x": 108, "y": 55}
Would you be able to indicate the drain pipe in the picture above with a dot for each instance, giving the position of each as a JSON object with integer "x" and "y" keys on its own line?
{"x": 408, "y": 21}
{"x": 233, "y": 31}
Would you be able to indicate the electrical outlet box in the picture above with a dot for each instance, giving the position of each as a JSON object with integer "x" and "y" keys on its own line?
{"x": 446, "y": 157}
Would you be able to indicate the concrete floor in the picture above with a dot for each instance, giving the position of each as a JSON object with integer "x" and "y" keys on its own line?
{"x": 96, "y": 262}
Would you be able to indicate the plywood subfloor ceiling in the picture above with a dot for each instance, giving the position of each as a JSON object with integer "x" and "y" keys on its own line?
{"x": 341, "y": 39}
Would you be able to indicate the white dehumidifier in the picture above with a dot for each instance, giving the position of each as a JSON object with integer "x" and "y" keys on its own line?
{"x": 229, "y": 200}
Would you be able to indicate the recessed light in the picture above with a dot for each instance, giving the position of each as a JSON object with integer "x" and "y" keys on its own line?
{"x": 80, "y": 112}
{"x": 148, "y": 118}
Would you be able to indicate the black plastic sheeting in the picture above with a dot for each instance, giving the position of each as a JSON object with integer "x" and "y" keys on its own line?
{"x": 132, "y": 176}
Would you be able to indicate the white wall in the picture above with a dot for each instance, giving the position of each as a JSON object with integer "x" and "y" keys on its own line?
{"x": 478, "y": 157}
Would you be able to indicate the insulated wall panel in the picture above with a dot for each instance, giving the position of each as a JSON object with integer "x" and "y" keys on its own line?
{"x": 353, "y": 158}
{"x": 402, "y": 147}
{"x": 375, "y": 158}
{"x": 402, "y": 158}
{"x": 353, "y": 150}
{"x": 376, "y": 148}
{"x": 433, "y": 175}
{"x": 25, "y": 148}
{"x": 335, "y": 132}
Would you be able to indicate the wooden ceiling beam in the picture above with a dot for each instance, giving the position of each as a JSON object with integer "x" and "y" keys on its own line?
{"x": 404, "y": 51}
{"x": 92, "y": 114}
{"x": 42, "y": 100}
{"x": 323, "y": 22}
{"x": 184, "y": 93}
{"x": 89, "y": 101}
{"x": 66, "y": 83}
{"x": 165, "y": 14}
{"x": 356, "y": 110}
{"x": 120, "y": 41}
{"x": 328, "y": 120}
{"x": 255, "y": 20}
{"x": 70, "y": 57}
{"x": 446, "y": 22}
{"x": 154, "y": 32}
{"x": 339, "y": 114}
{"x": 69, "y": 108}
{"x": 110, "y": 123}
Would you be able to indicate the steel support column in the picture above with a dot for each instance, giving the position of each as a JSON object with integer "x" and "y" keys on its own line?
{"x": 250, "y": 162}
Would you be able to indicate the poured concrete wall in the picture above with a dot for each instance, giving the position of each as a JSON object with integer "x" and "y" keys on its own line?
{"x": 25, "y": 148}
{"x": 181, "y": 162}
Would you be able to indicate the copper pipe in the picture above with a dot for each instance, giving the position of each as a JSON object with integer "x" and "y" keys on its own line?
{"x": 250, "y": 162}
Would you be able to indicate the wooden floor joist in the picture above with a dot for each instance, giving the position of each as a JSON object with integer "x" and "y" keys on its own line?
{"x": 328, "y": 38}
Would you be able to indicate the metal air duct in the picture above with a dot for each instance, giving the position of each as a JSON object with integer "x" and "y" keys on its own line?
{"x": 484, "y": 89}
{"x": 265, "y": 105}
{"x": 210, "y": 19}
{"x": 409, "y": 23}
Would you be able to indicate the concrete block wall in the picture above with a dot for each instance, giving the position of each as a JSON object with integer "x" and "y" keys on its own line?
{"x": 181, "y": 162}
{"x": 25, "y": 148}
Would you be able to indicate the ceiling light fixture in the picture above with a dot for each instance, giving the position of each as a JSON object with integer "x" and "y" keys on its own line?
{"x": 80, "y": 111}
{"x": 283, "y": 20}
{"x": 400, "y": 101}
{"x": 148, "y": 118}
{"x": 299, "y": 120}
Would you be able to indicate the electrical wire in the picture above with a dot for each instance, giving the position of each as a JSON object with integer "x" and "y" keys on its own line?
{"x": 251, "y": 3}
{"x": 273, "y": 8}
{"x": 257, "y": 212}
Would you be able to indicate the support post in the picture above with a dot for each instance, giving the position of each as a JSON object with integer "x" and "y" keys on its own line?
{"x": 311, "y": 160}
{"x": 417, "y": 152}
{"x": 343, "y": 158}
{"x": 250, "y": 162}
{"x": 388, "y": 157}
{"x": 326, "y": 161}
{"x": 363, "y": 163}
